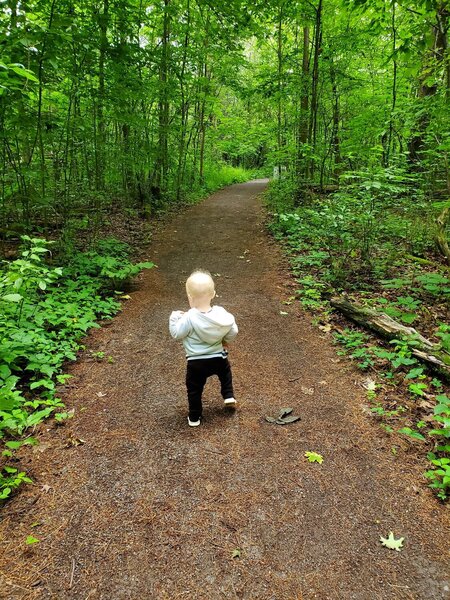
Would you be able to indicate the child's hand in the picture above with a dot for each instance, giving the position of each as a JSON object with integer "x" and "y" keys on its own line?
{"x": 225, "y": 345}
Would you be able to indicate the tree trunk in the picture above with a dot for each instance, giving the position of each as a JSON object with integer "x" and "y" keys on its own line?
{"x": 441, "y": 237}
{"x": 438, "y": 51}
{"x": 312, "y": 134}
{"x": 280, "y": 143}
{"x": 162, "y": 167}
{"x": 184, "y": 108}
{"x": 335, "y": 141}
{"x": 101, "y": 129}
{"x": 304, "y": 94}
{"x": 389, "y": 149}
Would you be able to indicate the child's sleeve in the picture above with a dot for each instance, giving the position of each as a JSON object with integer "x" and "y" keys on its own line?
{"x": 232, "y": 333}
{"x": 179, "y": 325}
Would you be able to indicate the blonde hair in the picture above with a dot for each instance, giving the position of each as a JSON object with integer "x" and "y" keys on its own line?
{"x": 200, "y": 284}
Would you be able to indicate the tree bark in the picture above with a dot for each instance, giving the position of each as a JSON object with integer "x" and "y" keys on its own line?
{"x": 441, "y": 237}
{"x": 280, "y": 87}
{"x": 101, "y": 128}
{"x": 438, "y": 50}
{"x": 335, "y": 141}
{"x": 163, "y": 134}
{"x": 312, "y": 133}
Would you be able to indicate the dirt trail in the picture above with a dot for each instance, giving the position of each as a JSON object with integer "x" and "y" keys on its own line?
{"x": 147, "y": 508}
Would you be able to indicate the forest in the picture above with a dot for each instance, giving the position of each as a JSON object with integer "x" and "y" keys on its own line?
{"x": 116, "y": 112}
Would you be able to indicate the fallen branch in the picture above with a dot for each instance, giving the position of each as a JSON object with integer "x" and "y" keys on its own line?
{"x": 387, "y": 328}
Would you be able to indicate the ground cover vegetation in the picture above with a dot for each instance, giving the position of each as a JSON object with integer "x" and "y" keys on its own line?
{"x": 132, "y": 107}
{"x": 362, "y": 207}
{"x": 46, "y": 310}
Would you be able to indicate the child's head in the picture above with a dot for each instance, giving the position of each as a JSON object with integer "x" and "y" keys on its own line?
{"x": 200, "y": 289}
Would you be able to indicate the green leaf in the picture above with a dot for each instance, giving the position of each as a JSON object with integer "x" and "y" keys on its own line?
{"x": 13, "y": 445}
{"x": 5, "y": 371}
{"x": 10, "y": 470}
{"x": 413, "y": 434}
{"x": 408, "y": 318}
{"x": 4, "y": 493}
{"x": 236, "y": 553}
{"x": 414, "y": 373}
{"x": 391, "y": 542}
{"x": 31, "y": 540}
{"x": 47, "y": 383}
{"x": 314, "y": 457}
{"x": 20, "y": 70}
{"x": 12, "y": 298}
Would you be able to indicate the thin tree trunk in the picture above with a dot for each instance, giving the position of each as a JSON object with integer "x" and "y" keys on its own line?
{"x": 163, "y": 140}
{"x": 101, "y": 138}
{"x": 389, "y": 150}
{"x": 304, "y": 106}
{"x": 335, "y": 140}
{"x": 184, "y": 107}
{"x": 437, "y": 50}
{"x": 280, "y": 141}
{"x": 312, "y": 134}
{"x": 202, "y": 111}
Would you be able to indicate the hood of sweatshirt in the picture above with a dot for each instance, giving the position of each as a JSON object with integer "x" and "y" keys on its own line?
{"x": 213, "y": 325}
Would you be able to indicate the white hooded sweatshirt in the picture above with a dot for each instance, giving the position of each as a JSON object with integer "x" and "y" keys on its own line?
{"x": 202, "y": 333}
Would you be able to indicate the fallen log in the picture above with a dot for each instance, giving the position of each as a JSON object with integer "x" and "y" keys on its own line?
{"x": 426, "y": 351}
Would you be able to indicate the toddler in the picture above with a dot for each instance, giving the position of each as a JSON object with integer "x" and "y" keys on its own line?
{"x": 204, "y": 330}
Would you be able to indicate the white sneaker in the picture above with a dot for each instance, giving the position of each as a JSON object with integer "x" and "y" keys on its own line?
{"x": 230, "y": 402}
{"x": 193, "y": 423}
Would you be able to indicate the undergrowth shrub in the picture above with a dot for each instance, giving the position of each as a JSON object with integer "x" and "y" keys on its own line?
{"x": 217, "y": 177}
{"x": 363, "y": 230}
{"x": 44, "y": 313}
{"x": 361, "y": 239}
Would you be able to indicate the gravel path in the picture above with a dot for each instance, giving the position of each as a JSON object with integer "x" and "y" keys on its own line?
{"x": 136, "y": 505}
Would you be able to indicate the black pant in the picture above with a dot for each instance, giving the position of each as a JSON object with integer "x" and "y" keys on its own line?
{"x": 197, "y": 373}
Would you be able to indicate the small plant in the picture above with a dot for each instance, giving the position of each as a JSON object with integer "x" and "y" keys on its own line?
{"x": 364, "y": 357}
{"x": 443, "y": 332}
{"x": 442, "y": 417}
{"x": 412, "y": 434}
{"x": 440, "y": 475}
{"x": 43, "y": 318}
{"x": 350, "y": 338}
{"x": 10, "y": 480}
{"x": 314, "y": 457}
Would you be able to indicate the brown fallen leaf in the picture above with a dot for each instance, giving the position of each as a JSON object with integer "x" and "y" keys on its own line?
{"x": 75, "y": 442}
{"x": 425, "y": 404}
{"x": 307, "y": 391}
{"x": 42, "y": 447}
